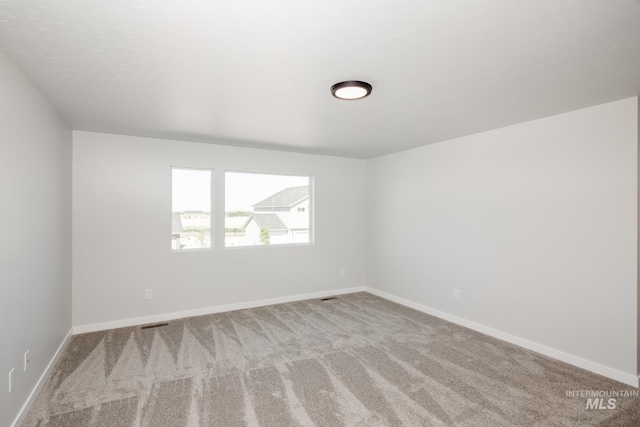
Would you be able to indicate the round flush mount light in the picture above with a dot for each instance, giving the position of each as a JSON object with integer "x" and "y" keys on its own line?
{"x": 351, "y": 89}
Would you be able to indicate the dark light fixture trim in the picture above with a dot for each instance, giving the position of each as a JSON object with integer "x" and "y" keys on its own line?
{"x": 351, "y": 89}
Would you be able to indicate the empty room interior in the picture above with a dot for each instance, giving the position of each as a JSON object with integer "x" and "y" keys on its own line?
{"x": 327, "y": 213}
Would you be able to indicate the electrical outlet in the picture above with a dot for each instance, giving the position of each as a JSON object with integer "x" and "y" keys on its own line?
{"x": 456, "y": 294}
{"x": 11, "y": 379}
{"x": 149, "y": 294}
{"x": 343, "y": 272}
{"x": 27, "y": 359}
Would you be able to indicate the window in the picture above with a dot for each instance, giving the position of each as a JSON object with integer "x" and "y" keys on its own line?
{"x": 267, "y": 209}
{"x": 190, "y": 208}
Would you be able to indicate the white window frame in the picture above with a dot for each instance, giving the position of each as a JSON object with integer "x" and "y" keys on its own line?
{"x": 310, "y": 209}
{"x": 211, "y": 209}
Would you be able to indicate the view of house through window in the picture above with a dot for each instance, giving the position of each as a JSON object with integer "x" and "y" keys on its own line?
{"x": 190, "y": 208}
{"x": 266, "y": 209}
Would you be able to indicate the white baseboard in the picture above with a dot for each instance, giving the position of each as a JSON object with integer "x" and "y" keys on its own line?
{"x": 93, "y": 327}
{"x": 571, "y": 359}
{"x": 41, "y": 381}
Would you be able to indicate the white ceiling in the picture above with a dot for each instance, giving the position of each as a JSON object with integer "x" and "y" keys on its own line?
{"x": 257, "y": 73}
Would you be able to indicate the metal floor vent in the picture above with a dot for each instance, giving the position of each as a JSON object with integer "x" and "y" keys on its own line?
{"x": 155, "y": 325}
{"x": 328, "y": 298}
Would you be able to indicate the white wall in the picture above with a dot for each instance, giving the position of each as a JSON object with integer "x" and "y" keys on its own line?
{"x": 35, "y": 254}
{"x": 121, "y": 188}
{"x": 535, "y": 224}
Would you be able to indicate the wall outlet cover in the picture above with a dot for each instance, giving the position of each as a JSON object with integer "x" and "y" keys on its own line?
{"x": 11, "y": 379}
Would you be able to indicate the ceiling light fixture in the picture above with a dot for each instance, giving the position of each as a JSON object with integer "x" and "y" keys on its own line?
{"x": 351, "y": 89}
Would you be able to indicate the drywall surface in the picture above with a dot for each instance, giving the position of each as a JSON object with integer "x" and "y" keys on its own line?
{"x": 534, "y": 224}
{"x": 35, "y": 254}
{"x": 122, "y": 230}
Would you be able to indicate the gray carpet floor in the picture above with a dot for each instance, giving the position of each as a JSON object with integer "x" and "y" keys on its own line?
{"x": 357, "y": 360}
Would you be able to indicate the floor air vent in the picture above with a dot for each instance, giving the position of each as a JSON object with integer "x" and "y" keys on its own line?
{"x": 328, "y": 298}
{"x": 155, "y": 325}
